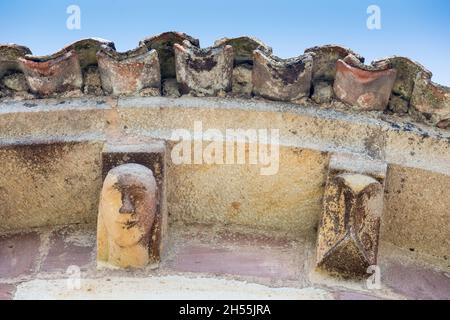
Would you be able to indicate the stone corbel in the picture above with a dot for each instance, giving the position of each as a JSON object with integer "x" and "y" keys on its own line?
{"x": 140, "y": 173}
{"x": 348, "y": 233}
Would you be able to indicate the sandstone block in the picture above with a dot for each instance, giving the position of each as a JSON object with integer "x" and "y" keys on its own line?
{"x": 150, "y": 155}
{"x": 430, "y": 102}
{"x": 352, "y": 206}
{"x": 126, "y": 217}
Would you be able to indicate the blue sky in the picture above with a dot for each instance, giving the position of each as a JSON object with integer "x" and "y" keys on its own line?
{"x": 416, "y": 29}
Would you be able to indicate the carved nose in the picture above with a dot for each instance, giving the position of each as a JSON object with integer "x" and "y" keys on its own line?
{"x": 127, "y": 205}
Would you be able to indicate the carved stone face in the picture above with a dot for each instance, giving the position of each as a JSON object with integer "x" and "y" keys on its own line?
{"x": 128, "y": 204}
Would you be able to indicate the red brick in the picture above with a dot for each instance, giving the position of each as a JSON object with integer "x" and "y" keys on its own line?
{"x": 7, "y": 291}
{"x": 416, "y": 283}
{"x": 354, "y": 295}
{"x": 64, "y": 253}
{"x": 243, "y": 261}
{"x": 18, "y": 254}
{"x": 252, "y": 239}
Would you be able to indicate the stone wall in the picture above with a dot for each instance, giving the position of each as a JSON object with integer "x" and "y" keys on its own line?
{"x": 49, "y": 183}
{"x": 172, "y": 64}
{"x": 51, "y": 170}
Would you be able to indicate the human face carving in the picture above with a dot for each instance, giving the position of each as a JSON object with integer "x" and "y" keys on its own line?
{"x": 128, "y": 207}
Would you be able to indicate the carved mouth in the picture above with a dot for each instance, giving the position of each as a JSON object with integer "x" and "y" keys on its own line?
{"x": 129, "y": 223}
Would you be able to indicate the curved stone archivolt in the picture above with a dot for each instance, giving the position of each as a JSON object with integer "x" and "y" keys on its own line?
{"x": 173, "y": 64}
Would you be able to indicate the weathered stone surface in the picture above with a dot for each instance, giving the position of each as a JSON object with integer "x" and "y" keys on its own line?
{"x": 69, "y": 246}
{"x": 150, "y": 154}
{"x": 15, "y": 85}
{"x": 49, "y": 183}
{"x": 354, "y": 295}
{"x": 92, "y": 84}
{"x": 86, "y": 51}
{"x": 7, "y": 291}
{"x": 325, "y": 58}
{"x": 204, "y": 72}
{"x": 345, "y": 163}
{"x": 416, "y": 283}
{"x": 132, "y": 72}
{"x": 444, "y": 124}
{"x": 407, "y": 71}
{"x": 416, "y": 211}
{"x": 242, "y": 80}
{"x": 19, "y": 253}
{"x": 9, "y": 53}
{"x": 127, "y": 216}
{"x": 15, "y": 82}
{"x": 156, "y": 287}
{"x": 237, "y": 260}
{"x": 365, "y": 87}
{"x": 206, "y": 194}
{"x": 57, "y": 74}
{"x": 163, "y": 43}
{"x": 170, "y": 88}
{"x": 319, "y": 130}
{"x": 243, "y": 61}
{"x": 342, "y": 246}
{"x": 349, "y": 228}
{"x": 281, "y": 79}
{"x": 430, "y": 102}
{"x": 243, "y": 48}
{"x": 323, "y": 92}
{"x": 398, "y": 105}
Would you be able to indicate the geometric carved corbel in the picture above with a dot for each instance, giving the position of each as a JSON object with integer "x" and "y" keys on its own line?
{"x": 352, "y": 207}
{"x": 150, "y": 155}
